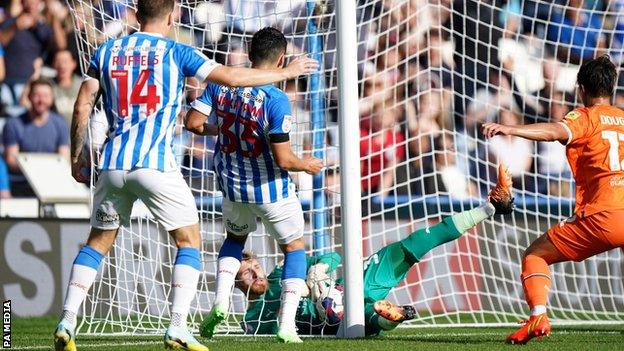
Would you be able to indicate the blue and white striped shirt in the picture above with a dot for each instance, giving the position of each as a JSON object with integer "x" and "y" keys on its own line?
{"x": 243, "y": 160}
{"x": 142, "y": 80}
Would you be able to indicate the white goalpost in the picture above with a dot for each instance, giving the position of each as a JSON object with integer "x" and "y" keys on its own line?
{"x": 353, "y": 322}
{"x": 395, "y": 113}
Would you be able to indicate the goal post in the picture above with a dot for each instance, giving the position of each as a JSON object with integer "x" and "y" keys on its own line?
{"x": 349, "y": 125}
{"x": 394, "y": 112}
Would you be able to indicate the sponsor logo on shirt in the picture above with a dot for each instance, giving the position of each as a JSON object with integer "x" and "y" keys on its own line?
{"x": 241, "y": 93}
{"x": 287, "y": 123}
{"x": 573, "y": 115}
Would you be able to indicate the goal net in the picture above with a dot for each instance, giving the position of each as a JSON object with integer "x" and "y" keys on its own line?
{"x": 430, "y": 73}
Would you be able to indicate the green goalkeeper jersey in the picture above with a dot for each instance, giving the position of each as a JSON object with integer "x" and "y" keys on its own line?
{"x": 383, "y": 271}
{"x": 261, "y": 314}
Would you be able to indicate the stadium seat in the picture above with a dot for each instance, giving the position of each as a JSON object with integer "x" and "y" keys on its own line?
{"x": 19, "y": 208}
{"x": 49, "y": 176}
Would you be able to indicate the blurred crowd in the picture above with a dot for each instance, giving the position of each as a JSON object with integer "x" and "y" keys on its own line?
{"x": 436, "y": 70}
{"x": 431, "y": 72}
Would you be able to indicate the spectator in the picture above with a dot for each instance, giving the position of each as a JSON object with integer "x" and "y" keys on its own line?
{"x": 550, "y": 71}
{"x": 5, "y": 190}
{"x": 619, "y": 92}
{"x": 484, "y": 106}
{"x": 66, "y": 85}
{"x": 27, "y": 37}
{"x": 198, "y": 161}
{"x": 245, "y": 16}
{"x": 617, "y": 40}
{"x": 2, "y": 75}
{"x": 38, "y": 130}
{"x": 423, "y": 127}
{"x": 181, "y": 33}
{"x": 2, "y": 65}
{"x": 434, "y": 65}
{"x": 115, "y": 18}
{"x": 375, "y": 93}
{"x": 476, "y": 31}
{"x": 302, "y": 127}
{"x": 449, "y": 178}
{"x": 551, "y": 160}
{"x": 381, "y": 149}
{"x": 77, "y": 31}
{"x": 576, "y": 33}
{"x": 515, "y": 152}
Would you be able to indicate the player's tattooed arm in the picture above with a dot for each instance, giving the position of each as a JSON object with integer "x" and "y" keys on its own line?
{"x": 87, "y": 97}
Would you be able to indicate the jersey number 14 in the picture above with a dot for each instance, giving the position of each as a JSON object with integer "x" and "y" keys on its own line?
{"x": 151, "y": 98}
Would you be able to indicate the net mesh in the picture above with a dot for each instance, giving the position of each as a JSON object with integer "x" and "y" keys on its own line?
{"x": 430, "y": 73}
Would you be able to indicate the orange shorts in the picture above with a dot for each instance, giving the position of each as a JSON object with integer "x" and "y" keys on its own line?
{"x": 580, "y": 238}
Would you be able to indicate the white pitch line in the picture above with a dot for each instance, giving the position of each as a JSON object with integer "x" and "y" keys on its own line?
{"x": 433, "y": 335}
{"x": 138, "y": 343}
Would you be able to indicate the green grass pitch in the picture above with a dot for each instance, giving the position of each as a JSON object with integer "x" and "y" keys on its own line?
{"x": 35, "y": 334}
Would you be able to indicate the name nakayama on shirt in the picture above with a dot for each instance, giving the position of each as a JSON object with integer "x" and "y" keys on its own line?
{"x": 252, "y": 109}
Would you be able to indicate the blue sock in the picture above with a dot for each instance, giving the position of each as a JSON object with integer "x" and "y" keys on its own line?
{"x": 232, "y": 248}
{"x": 88, "y": 256}
{"x": 295, "y": 265}
{"x": 188, "y": 256}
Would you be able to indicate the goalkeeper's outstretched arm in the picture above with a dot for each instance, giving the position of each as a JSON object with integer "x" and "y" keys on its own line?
{"x": 537, "y": 131}
{"x": 249, "y": 77}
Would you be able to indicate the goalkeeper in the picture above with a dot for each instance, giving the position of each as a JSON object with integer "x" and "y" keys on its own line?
{"x": 320, "y": 312}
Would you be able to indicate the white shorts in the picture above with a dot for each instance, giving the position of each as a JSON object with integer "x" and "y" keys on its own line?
{"x": 165, "y": 194}
{"x": 283, "y": 219}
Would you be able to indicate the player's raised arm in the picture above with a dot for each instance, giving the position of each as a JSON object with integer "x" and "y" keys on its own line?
{"x": 537, "y": 131}
{"x": 87, "y": 97}
{"x": 249, "y": 77}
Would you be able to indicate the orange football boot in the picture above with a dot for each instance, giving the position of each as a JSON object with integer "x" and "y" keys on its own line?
{"x": 394, "y": 313}
{"x": 536, "y": 327}
{"x": 501, "y": 196}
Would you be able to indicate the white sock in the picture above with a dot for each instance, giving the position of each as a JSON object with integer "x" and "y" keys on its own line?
{"x": 468, "y": 219}
{"x": 538, "y": 309}
{"x": 80, "y": 281}
{"x": 184, "y": 282}
{"x": 291, "y": 294}
{"x": 227, "y": 269}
